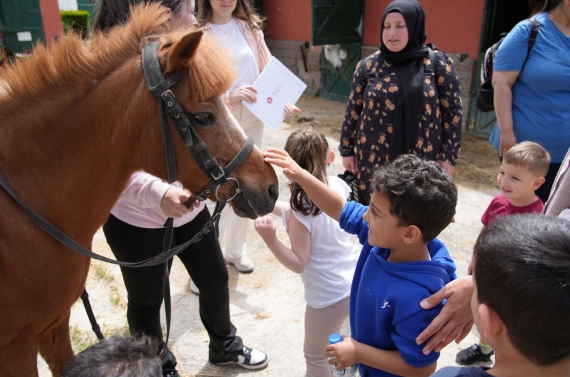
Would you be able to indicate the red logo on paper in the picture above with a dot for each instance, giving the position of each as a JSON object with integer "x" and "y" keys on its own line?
{"x": 269, "y": 99}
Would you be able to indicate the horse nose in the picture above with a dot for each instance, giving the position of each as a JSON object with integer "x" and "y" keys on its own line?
{"x": 273, "y": 192}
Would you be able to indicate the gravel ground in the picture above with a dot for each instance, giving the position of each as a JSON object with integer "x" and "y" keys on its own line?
{"x": 267, "y": 306}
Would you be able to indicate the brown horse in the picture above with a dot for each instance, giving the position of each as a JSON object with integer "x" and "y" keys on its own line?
{"x": 75, "y": 122}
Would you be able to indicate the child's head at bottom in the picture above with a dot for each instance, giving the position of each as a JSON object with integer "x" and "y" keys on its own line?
{"x": 420, "y": 193}
{"x": 309, "y": 148}
{"x": 522, "y": 284}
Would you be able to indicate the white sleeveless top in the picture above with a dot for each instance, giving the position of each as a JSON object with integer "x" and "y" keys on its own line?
{"x": 332, "y": 259}
{"x": 235, "y": 42}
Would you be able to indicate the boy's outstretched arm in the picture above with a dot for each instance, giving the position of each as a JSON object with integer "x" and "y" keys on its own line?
{"x": 323, "y": 196}
{"x": 349, "y": 351}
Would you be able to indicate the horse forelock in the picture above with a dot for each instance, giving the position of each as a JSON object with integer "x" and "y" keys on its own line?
{"x": 72, "y": 62}
{"x": 210, "y": 73}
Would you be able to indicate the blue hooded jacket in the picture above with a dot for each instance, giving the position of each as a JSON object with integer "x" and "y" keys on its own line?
{"x": 385, "y": 297}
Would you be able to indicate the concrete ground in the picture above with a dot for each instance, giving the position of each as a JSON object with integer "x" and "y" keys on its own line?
{"x": 267, "y": 306}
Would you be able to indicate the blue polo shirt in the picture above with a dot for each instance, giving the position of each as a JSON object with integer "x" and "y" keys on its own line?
{"x": 541, "y": 94}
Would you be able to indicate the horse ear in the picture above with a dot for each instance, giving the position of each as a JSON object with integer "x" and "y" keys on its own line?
{"x": 183, "y": 50}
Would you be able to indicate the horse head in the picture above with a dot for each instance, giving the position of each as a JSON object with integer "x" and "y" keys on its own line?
{"x": 206, "y": 75}
{"x": 334, "y": 54}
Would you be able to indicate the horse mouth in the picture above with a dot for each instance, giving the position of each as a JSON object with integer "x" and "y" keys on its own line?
{"x": 251, "y": 204}
{"x": 243, "y": 207}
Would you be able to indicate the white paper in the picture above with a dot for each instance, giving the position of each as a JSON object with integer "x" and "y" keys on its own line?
{"x": 276, "y": 86}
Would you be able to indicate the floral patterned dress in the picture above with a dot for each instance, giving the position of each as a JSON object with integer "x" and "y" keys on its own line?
{"x": 368, "y": 121}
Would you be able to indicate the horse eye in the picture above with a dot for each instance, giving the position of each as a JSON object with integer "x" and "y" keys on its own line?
{"x": 203, "y": 119}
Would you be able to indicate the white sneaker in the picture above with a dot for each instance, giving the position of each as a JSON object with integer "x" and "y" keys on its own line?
{"x": 194, "y": 288}
{"x": 243, "y": 264}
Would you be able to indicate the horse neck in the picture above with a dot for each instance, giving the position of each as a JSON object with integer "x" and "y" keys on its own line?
{"x": 71, "y": 160}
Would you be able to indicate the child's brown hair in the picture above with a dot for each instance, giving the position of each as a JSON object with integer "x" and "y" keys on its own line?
{"x": 529, "y": 155}
{"x": 309, "y": 148}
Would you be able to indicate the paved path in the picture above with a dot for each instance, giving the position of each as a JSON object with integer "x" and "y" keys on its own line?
{"x": 267, "y": 306}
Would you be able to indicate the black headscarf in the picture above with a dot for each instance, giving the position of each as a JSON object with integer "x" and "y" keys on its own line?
{"x": 411, "y": 64}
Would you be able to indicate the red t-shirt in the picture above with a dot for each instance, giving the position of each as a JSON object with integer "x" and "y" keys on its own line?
{"x": 500, "y": 206}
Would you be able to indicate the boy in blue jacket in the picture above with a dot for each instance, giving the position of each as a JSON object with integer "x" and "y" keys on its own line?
{"x": 400, "y": 264}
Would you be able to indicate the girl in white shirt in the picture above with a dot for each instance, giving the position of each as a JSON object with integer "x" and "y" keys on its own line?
{"x": 320, "y": 251}
{"x": 239, "y": 27}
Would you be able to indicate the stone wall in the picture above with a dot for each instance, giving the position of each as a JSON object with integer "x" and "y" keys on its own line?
{"x": 301, "y": 58}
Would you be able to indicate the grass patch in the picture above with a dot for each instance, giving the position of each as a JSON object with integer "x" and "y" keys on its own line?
{"x": 81, "y": 339}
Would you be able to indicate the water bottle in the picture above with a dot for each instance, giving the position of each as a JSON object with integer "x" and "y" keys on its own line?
{"x": 346, "y": 372}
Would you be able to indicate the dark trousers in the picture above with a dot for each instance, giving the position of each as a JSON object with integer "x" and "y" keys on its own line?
{"x": 203, "y": 261}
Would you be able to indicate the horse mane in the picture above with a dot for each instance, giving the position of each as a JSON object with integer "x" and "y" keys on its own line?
{"x": 73, "y": 65}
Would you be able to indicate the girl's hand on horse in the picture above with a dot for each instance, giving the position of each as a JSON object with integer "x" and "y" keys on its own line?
{"x": 265, "y": 227}
{"x": 290, "y": 109}
{"x": 282, "y": 159}
{"x": 172, "y": 204}
{"x": 243, "y": 93}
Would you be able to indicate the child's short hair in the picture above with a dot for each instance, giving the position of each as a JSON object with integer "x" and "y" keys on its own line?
{"x": 117, "y": 356}
{"x": 522, "y": 271}
{"x": 529, "y": 155}
{"x": 308, "y": 147}
{"x": 421, "y": 193}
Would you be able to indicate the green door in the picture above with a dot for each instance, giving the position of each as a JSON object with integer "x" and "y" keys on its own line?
{"x": 499, "y": 17}
{"x": 89, "y": 7}
{"x": 338, "y": 22}
{"x": 335, "y": 85}
{"x": 21, "y": 22}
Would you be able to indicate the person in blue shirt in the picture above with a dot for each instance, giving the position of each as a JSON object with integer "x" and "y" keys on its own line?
{"x": 532, "y": 99}
{"x": 521, "y": 299}
{"x": 400, "y": 264}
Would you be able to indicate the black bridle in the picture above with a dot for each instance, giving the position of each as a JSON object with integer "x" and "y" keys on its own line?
{"x": 167, "y": 104}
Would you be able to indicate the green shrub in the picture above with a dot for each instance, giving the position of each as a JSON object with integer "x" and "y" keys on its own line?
{"x": 75, "y": 20}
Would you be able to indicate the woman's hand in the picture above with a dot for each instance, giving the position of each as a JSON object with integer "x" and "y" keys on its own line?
{"x": 172, "y": 204}
{"x": 450, "y": 169}
{"x": 265, "y": 227}
{"x": 503, "y": 82}
{"x": 455, "y": 319}
{"x": 290, "y": 109}
{"x": 506, "y": 141}
{"x": 343, "y": 354}
{"x": 245, "y": 93}
{"x": 350, "y": 163}
{"x": 282, "y": 159}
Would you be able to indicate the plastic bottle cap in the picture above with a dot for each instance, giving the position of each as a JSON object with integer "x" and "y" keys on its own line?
{"x": 335, "y": 338}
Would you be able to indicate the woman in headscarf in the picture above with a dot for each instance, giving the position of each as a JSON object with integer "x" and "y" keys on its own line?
{"x": 404, "y": 98}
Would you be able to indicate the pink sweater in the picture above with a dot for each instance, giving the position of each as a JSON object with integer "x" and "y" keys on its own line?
{"x": 139, "y": 204}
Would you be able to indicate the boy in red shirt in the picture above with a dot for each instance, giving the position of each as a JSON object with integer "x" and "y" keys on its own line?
{"x": 522, "y": 171}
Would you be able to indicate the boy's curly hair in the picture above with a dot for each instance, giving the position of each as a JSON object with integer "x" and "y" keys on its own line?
{"x": 420, "y": 192}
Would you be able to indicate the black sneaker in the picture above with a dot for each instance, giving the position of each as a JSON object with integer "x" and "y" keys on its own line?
{"x": 170, "y": 373}
{"x": 473, "y": 354}
{"x": 248, "y": 358}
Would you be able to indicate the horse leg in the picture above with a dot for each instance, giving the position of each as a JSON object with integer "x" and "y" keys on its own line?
{"x": 19, "y": 358}
{"x": 55, "y": 346}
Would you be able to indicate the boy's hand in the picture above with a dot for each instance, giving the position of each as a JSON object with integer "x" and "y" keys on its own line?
{"x": 282, "y": 159}
{"x": 344, "y": 353}
{"x": 265, "y": 226}
{"x": 455, "y": 320}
